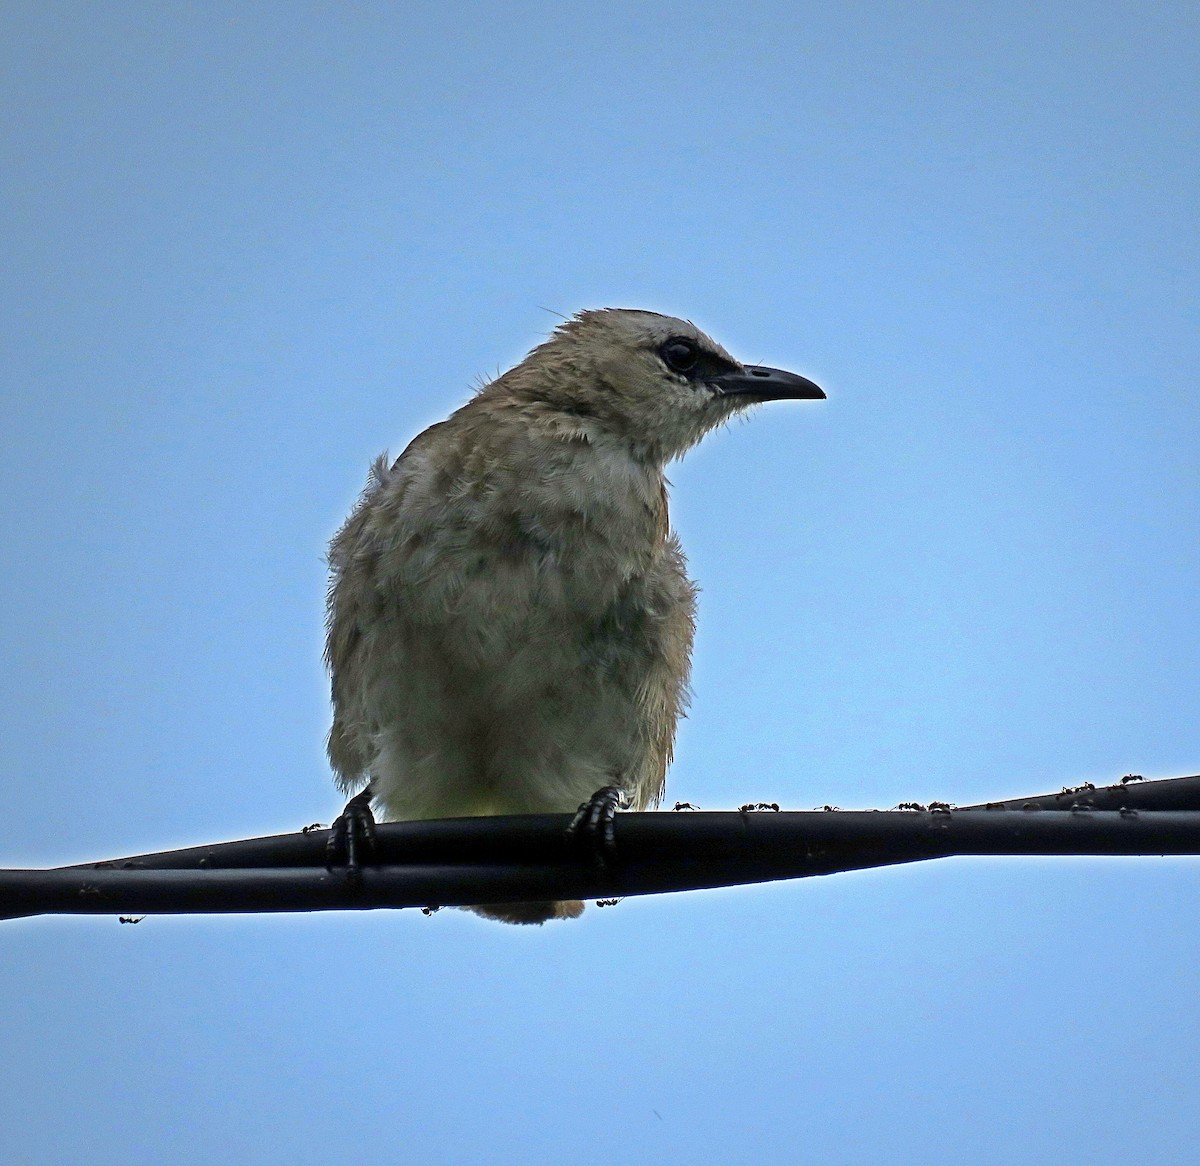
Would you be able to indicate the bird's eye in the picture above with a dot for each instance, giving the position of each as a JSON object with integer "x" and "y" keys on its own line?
{"x": 680, "y": 355}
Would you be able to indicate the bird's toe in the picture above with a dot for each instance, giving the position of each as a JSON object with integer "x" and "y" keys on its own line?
{"x": 593, "y": 827}
{"x": 352, "y": 837}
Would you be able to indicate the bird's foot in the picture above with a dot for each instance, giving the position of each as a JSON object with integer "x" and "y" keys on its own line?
{"x": 593, "y": 825}
{"x": 352, "y": 837}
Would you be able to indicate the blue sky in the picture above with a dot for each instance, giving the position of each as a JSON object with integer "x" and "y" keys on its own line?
{"x": 247, "y": 247}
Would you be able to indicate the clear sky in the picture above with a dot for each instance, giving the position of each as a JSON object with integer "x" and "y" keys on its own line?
{"x": 248, "y": 246}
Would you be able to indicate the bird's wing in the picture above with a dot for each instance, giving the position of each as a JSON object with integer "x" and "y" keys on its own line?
{"x": 355, "y": 603}
{"x": 358, "y": 601}
{"x": 349, "y": 605}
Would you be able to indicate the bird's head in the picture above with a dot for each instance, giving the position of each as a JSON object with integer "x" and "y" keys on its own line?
{"x": 657, "y": 382}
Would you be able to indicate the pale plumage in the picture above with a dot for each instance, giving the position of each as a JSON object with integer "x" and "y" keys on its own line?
{"x": 510, "y": 619}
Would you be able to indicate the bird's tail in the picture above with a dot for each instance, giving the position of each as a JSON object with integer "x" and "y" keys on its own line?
{"x": 530, "y": 912}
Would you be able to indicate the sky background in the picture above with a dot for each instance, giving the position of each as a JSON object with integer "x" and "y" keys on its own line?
{"x": 247, "y": 247}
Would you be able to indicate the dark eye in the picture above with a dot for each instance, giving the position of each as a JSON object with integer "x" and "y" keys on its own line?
{"x": 680, "y": 355}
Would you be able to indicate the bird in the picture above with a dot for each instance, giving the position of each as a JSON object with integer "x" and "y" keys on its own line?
{"x": 510, "y": 617}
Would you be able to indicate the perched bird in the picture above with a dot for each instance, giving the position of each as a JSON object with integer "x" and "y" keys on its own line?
{"x": 510, "y": 617}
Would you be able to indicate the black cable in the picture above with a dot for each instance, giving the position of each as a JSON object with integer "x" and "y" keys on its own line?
{"x": 503, "y": 859}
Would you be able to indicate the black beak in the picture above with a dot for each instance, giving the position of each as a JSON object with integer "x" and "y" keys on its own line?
{"x": 756, "y": 382}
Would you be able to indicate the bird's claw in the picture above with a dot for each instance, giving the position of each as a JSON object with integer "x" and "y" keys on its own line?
{"x": 352, "y": 837}
{"x": 593, "y": 826}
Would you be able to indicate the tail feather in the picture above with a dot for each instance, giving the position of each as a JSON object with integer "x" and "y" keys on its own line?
{"x": 530, "y": 912}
